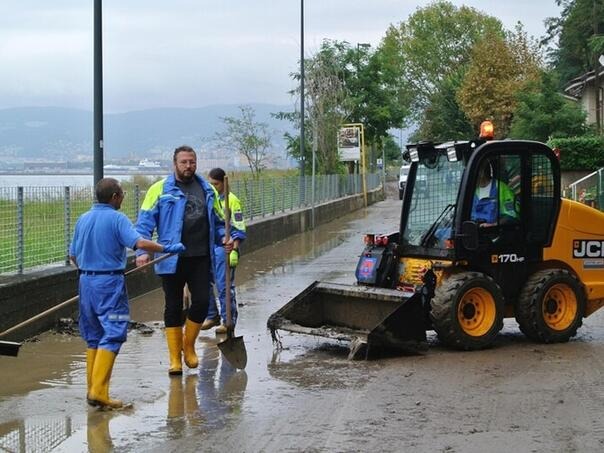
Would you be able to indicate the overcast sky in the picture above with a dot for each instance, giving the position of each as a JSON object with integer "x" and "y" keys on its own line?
{"x": 191, "y": 53}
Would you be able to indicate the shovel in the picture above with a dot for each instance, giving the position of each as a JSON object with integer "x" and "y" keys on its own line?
{"x": 233, "y": 348}
{"x": 11, "y": 348}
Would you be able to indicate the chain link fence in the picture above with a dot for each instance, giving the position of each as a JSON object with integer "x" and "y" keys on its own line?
{"x": 36, "y": 223}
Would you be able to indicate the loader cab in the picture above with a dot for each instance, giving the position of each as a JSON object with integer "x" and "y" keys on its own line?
{"x": 426, "y": 221}
{"x": 493, "y": 205}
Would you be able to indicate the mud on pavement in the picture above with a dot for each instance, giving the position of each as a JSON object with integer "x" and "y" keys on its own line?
{"x": 307, "y": 396}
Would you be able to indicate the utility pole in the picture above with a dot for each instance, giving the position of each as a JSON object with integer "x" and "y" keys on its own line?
{"x": 361, "y": 45}
{"x": 597, "y": 89}
{"x": 302, "y": 88}
{"x": 302, "y": 189}
{"x": 98, "y": 91}
{"x": 364, "y": 45}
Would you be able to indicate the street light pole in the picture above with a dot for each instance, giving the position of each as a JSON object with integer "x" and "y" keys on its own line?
{"x": 595, "y": 16}
{"x": 364, "y": 45}
{"x": 312, "y": 182}
{"x": 98, "y": 91}
{"x": 360, "y": 45}
{"x": 302, "y": 190}
{"x": 302, "y": 88}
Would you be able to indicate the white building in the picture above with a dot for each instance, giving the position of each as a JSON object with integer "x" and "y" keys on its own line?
{"x": 583, "y": 90}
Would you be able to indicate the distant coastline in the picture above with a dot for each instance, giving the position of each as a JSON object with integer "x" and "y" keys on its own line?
{"x": 141, "y": 171}
{"x": 11, "y": 180}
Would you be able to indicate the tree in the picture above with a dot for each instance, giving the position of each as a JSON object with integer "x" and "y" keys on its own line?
{"x": 346, "y": 85}
{"x": 246, "y": 136}
{"x": 576, "y": 33}
{"x": 324, "y": 99}
{"x": 498, "y": 70}
{"x": 374, "y": 96}
{"x": 392, "y": 150}
{"x": 292, "y": 146}
{"x": 444, "y": 119}
{"x": 432, "y": 45}
{"x": 543, "y": 113}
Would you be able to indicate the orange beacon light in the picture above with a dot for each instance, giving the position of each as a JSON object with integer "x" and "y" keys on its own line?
{"x": 486, "y": 130}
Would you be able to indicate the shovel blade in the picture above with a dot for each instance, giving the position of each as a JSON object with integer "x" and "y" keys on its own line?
{"x": 233, "y": 349}
{"x": 9, "y": 348}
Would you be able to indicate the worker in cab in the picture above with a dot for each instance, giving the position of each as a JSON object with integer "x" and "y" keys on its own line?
{"x": 494, "y": 202}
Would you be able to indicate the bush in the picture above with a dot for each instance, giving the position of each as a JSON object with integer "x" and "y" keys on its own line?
{"x": 580, "y": 153}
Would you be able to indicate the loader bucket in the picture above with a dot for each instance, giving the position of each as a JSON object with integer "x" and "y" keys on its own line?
{"x": 368, "y": 317}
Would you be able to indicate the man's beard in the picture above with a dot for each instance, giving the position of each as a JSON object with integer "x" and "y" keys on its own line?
{"x": 181, "y": 176}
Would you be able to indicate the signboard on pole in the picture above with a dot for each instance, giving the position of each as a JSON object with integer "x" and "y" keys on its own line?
{"x": 349, "y": 143}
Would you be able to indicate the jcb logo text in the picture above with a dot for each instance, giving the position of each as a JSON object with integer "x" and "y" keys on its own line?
{"x": 588, "y": 249}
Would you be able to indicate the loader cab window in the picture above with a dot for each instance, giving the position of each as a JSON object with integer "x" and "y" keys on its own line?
{"x": 542, "y": 198}
{"x": 496, "y": 197}
{"x": 432, "y": 203}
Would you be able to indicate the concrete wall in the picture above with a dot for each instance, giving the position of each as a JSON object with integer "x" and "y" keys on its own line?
{"x": 25, "y": 296}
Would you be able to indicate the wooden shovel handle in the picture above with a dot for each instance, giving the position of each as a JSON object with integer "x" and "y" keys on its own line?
{"x": 227, "y": 273}
{"x": 75, "y": 299}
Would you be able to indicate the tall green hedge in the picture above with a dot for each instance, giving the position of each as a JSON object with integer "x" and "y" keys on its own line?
{"x": 580, "y": 153}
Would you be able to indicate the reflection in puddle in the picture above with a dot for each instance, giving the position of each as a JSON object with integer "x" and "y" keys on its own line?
{"x": 221, "y": 388}
{"x": 97, "y": 433}
{"x": 35, "y": 435}
{"x": 194, "y": 404}
{"x": 206, "y": 400}
{"x": 183, "y": 408}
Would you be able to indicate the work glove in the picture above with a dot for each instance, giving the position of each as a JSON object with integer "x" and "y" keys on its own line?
{"x": 234, "y": 258}
{"x": 174, "y": 248}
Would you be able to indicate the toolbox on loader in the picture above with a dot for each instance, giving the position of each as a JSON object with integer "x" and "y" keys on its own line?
{"x": 493, "y": 240}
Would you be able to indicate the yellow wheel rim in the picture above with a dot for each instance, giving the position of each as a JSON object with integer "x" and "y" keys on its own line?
{"x": 476, "y": 312}
{"x": 559, "y": 307}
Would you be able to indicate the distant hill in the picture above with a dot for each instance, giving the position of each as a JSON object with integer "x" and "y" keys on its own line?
{"x": 61, "y": 133}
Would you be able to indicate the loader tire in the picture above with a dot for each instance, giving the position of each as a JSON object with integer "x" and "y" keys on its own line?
{"x": 467, "y": 311}
{"x": 551, "y": 306}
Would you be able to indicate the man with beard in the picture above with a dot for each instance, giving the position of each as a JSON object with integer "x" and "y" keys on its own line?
{"x": 183, "y": 208}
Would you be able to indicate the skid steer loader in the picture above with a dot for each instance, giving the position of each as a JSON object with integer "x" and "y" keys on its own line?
{"x": 460, "y": 268}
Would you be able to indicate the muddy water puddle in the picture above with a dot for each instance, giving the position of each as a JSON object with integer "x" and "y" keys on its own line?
{"x": 42, "y": 395}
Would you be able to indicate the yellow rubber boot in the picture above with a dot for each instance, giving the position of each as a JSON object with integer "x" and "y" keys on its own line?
{"x": 191, "y": 332}
{"x": 174, "y": 339}
{"x": 101, "y": 375}
{"x": 90, "y": 356}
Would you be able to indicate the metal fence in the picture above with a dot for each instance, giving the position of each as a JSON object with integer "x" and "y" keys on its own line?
{"x": 36, "y": 223}
{"x": 589, "y": 189}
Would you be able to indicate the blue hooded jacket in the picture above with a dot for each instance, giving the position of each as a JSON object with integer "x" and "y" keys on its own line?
{"x": 163, "y": 209}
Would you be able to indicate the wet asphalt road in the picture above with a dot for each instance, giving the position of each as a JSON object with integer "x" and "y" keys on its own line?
{"x": 308, "y": 396}
{"x": 45, "y": 385}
